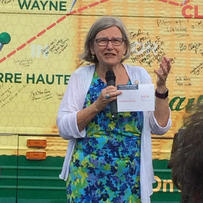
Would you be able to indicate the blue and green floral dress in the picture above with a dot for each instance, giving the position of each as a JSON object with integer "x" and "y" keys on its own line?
{"x": 105, "y": 166}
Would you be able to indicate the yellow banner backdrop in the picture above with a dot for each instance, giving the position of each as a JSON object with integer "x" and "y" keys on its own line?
{"x": 40, "y": 42}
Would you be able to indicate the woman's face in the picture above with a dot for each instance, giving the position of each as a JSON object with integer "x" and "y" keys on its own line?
{"x": 109, "y": 52}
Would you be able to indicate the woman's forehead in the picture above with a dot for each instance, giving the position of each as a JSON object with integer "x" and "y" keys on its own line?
{"x": 110, "y": 32}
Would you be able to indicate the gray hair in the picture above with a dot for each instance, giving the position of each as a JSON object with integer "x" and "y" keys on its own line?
{"x": 102, "y": 24}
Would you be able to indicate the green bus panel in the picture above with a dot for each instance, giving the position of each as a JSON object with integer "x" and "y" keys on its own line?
{"x": 165, "y": 192}
{"x": 8, "y": 179}
{"x": 26, "y": 181}
{"x": 38, "y": 181}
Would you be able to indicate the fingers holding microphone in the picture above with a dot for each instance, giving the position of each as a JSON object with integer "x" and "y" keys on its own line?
{"x": 111, "y": 93}
{"x": 107, "y": 95}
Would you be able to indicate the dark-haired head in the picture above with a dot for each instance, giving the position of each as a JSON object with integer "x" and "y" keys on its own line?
{"x": 187, "y": 157}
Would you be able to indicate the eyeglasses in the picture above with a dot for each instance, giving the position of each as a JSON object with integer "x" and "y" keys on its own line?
{"x": 102, "y": 42}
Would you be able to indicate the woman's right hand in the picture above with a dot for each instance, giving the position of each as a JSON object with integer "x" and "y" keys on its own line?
{"x": 85, "y": 115}
{"x": 107, "y": 95}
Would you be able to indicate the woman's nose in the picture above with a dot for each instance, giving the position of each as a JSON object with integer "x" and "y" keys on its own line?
{"x": 109, "y": 45}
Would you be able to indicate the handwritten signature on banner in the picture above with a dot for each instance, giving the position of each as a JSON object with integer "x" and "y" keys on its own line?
{"x": 195, "y": 47}
{"x": 57, "y": 46}
{"x": 198, "y": 69}
{"x": 9, "y": 92}
{"x": 183, "y": 80}
{"x": 42, "y": 32}
{"x": 4, "y": 2}
{"x": 39, "y": 94}
{"x": 145, "y": 50}
{"x": 26, "y": 62}
{"x": 44, "y": 94}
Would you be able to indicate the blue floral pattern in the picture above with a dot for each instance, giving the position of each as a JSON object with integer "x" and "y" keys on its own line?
{"x": 105, "y": 166}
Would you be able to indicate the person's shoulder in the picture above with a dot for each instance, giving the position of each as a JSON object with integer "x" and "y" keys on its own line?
{"x": 136, "y": 69}
{"x": 84, "y": 69}
{"x": 138, "y": 73}
{"x": 83, "y": 72}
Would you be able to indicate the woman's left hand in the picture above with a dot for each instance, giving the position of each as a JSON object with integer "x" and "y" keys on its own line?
{"x": 162, "y": 112}
{"x": 163, "y": 71}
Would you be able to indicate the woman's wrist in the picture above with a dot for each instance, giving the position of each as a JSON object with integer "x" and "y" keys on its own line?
{"x": 161, "y": 89}
{"x": 96, "y": 107}
{"x": 161, "y": 93}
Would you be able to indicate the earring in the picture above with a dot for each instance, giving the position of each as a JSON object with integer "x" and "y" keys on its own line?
{"x": 93, "y": 57}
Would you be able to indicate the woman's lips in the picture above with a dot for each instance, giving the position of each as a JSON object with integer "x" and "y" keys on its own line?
{"x": 109, "y": 54}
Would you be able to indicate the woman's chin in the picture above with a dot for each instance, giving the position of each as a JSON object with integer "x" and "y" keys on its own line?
{"x": 110, "y": 63}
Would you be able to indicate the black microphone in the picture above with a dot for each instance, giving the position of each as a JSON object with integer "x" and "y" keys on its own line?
{"x": 110, "y": 80}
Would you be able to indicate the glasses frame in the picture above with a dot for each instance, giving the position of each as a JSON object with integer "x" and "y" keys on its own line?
{"x": 106, "y": 40}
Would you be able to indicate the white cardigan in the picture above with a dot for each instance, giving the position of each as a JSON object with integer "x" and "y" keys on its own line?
{"x": 73, "y": 102}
